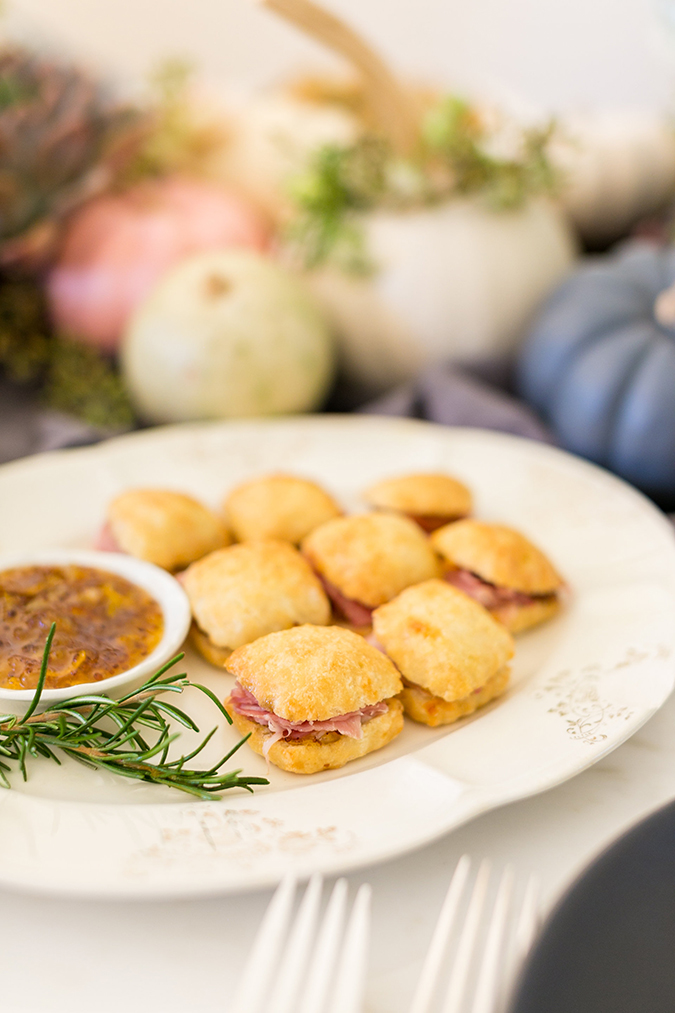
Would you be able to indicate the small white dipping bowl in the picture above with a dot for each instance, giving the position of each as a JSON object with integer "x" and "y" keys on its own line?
{"x": 164, "y": 588}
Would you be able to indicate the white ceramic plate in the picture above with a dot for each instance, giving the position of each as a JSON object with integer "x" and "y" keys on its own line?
{"x": 582, "y": 684}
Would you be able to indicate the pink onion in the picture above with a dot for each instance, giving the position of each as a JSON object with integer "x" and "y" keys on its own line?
{"x": 118, "y": 246}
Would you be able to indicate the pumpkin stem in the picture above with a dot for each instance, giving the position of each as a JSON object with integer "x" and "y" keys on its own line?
{"x": 664, "y": 308}
{"x": 388, "y": 98}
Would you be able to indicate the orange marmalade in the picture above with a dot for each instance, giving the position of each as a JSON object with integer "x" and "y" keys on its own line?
{"x": 104, "y": 625}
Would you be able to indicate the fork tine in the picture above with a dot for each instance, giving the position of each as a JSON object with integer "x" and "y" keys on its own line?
{"x": 426, "y": 985}
{"x": 467, "y": 942}
{"x": 264, "y": 955}
{"x": 489, "y": 974}
{"x": 349, "y": 985}
{"x": 529, "y": 919}
{"x": 323, "y": 962}
{"x": 294, "y": 957}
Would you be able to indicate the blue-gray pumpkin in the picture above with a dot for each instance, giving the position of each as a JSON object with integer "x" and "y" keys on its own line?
{"x": 599, "y": 365}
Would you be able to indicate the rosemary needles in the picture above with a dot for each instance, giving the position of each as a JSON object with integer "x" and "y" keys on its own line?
{"x": 111, "y": 734}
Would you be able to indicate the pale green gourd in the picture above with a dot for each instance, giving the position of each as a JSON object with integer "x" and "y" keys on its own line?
{"x": 227, "y": 335}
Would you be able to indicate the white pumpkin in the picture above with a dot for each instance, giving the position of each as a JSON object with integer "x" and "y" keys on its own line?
{"x": 454, "y": 282}
{"x": 617, "y": 167}
{"x": 225, "y": 335}
{"x": 271, "y": 139}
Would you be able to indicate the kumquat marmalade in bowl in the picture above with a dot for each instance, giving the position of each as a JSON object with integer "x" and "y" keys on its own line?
{"x": 117, "y": 621}
{"x": 105, "y": 625}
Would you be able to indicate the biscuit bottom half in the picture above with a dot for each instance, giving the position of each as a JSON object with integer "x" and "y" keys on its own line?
{"x": 423, "y": 706}
{"x": 206, "y": 647}
{"x": 309, "y": 755}
{"x": 518, "y": 618}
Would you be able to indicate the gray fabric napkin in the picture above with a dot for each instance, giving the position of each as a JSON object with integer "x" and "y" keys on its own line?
{"x": 27, "y": 428}
{"x": 469, "y": 396}
{"x": 474, "y": 395}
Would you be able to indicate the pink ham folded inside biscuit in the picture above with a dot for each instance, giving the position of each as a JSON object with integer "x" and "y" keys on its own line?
{"x": 368, "y": 559}
{"x": 451, "y": 653}
{"x": 313, "y": 698}
{"x": 106, "y": 541}
{"x": 351, "y": 725}
{"x": 353, "y": 611}
{"x": 431, "y": 499}
{"x": 488, "y": 595}
{"x": 501, "y": 569}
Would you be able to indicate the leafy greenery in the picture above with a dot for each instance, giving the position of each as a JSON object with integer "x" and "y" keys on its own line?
{"x": 454, "y": 132}
{"x": 339, "y": 183}
{"x": 76, "y": 378}
{"x": 82, "y": 382}
{"x": 24, "y": 331}
{"x": 178, "y": 141}
{"x": 110, "y": 735}
{"x": 456, "y": 156}
{"x": 14, "y": 91}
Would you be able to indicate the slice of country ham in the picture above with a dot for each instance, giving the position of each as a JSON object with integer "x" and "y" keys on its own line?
{"x": 488, "y": 595}
{"x": 374, "y": 642}
{"x": 245, "y": 703}
{"x": 431, "y": 522}
{"x": 106, "y": 541}
{"x": 353, "y": 611}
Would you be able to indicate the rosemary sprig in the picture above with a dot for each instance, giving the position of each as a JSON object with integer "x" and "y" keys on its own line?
{"x": 110, "y": 734}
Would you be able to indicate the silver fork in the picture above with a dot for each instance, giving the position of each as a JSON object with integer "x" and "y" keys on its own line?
{"x": 488, "y": 949}
{"x": 308, "y": 964}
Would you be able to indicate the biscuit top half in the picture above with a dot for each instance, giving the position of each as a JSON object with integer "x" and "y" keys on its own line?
{"x": 498, "y": 555}
{"x": 442, "y": 640}
{"x": 424, "y": 495}
{"x": 312, "y": 673}
{"x": 248, "y": 590}
{"x": 278, "y": 506}
{"x": 164, "y": 527}
{"x": 371, "y": 557}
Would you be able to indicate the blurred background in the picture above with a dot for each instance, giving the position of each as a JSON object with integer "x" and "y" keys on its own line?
{"x": 221, "y": 208}
{"x": 555, "y": 55}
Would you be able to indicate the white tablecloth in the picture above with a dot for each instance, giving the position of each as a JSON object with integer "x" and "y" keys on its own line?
{"x": 58, "y": 955}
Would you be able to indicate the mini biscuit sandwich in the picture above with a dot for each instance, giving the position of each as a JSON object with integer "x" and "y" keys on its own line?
{"x": 314, "y": 697}
{"x": 278, "y": 506}
{"x": 430, "y": 499}
{"x": 366, "y": 560}
{"x": 163, "y": 527}
{"x": 453, "y": 656}
{"x": 245, "y": 591}
{"x": 502, "y": 570}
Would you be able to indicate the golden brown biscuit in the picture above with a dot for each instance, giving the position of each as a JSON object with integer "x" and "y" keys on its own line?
{"x": 245, "y": 591}
{"x": 442, "y": 640}
{"x": 308, "y": 756}
{"x": 423, "y": 706}
{"x": 497, "y": 554}
{"x": 370, "y": 558}
{"x": 278, "y": 506}
{"x": 216, "y": 655}
{"x": 164, "y": 527}
{"x": 313, "y": 673}
{"x": 429, "y": 498}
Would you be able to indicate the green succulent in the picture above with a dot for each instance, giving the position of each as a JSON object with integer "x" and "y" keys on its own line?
{"x": 57, "y": 126}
